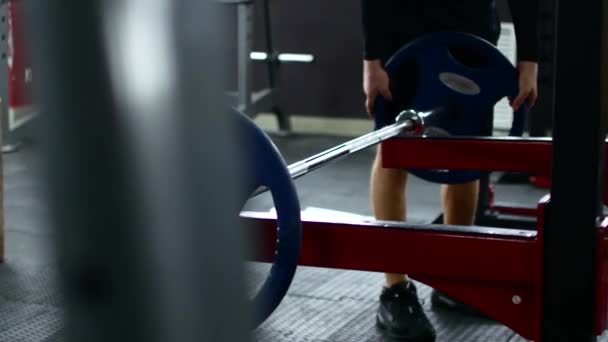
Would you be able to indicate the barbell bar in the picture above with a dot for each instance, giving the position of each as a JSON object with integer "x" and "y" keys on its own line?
{"x": 408, "y": 121}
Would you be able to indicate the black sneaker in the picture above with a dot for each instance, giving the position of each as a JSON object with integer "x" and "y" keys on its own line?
{"x": 443, "y": 301}
{"x": 401, "y": 315}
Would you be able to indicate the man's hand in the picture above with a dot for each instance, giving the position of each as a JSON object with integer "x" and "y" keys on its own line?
{"x": 528, "y": 91}
{"x": 375, "y": 81}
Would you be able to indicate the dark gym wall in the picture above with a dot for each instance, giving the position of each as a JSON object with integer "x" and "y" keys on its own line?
{"x": 331, "y": 30}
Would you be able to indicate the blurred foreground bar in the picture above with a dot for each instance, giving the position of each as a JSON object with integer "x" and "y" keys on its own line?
{"x": 141, "y": 192}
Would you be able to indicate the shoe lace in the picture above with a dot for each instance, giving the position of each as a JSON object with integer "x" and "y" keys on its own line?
{"x": 407, "y": 303}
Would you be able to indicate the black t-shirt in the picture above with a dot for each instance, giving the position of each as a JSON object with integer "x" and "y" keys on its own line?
{"x": 389, "y": 24}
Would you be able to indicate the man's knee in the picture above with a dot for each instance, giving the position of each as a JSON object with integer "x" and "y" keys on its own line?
{"x": 466, "y": 188}
{"x": 396, "y": 176}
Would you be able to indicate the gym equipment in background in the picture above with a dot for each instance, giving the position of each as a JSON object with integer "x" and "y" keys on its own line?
{"x": 246, "y": 100}
{"x": 497, "y": 271}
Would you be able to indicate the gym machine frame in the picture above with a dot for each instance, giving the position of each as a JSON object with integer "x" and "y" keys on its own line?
{"x": 245, "y": 99}
{"x": 495, "y": 270}
{"x": 17, "y": 111}
{"x": 546, "y": 285}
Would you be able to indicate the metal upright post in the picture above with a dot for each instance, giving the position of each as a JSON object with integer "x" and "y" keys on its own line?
{"x": 273, "y": 65}
{"x": 3, "y": 114}
{"x": 143, "y": 206}
{"x": 571, "y": 232}
{"x": 244, "y": 31}
{"x": 4, "y": 75}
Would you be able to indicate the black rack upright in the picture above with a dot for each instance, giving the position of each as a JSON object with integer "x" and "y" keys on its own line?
{"x": 579, "y": 108}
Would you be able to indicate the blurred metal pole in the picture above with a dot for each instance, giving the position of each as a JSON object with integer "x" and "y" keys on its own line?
{"x": 143, "y": 172}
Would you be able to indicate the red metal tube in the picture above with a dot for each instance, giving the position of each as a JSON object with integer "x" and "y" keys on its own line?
{"x": 19, "y": 92}
{"x": 530, "y": 155}
{"x": 512, "y": 209}
{"x": 496, "y": 275}
{"x": 538, "y": 265}
{"x": 601, "y": 315}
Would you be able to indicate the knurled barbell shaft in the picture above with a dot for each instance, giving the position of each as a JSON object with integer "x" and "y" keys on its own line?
{"x": 407, "y": 121}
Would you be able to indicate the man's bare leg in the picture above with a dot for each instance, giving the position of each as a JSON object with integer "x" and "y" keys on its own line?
{"x": 459, "y": 203}
{"x": 388, "y": 200}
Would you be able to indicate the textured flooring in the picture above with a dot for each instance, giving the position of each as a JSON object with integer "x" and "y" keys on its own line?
{"x": 322, "y": 305}
{"x": 339, "y": 306}
{"x": 30, "y": 305}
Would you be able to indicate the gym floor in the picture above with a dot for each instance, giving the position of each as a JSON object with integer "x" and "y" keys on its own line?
{"x": 322, "y": 304}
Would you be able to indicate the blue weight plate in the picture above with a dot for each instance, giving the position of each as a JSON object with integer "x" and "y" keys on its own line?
{"x": 443, "y": 79}
{"x": 266, "y": 167}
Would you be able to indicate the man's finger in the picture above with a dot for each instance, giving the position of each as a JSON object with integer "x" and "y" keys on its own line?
{"x": 519, "y": 100}
{"x": 369, "y": 102}
{"x": 532, "y": 100}
{"x": 386, "y": 93}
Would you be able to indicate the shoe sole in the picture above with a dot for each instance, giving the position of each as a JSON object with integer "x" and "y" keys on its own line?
{"x": 397, "y": 337}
